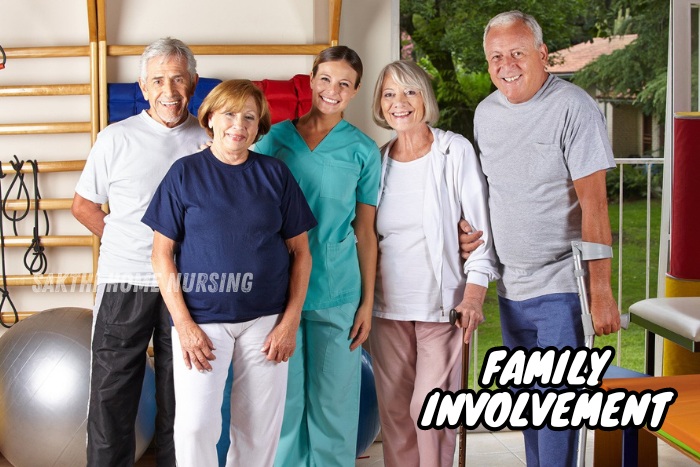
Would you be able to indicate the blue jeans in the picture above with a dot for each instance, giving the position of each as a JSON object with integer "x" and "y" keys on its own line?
{"x": 547, "y": 321}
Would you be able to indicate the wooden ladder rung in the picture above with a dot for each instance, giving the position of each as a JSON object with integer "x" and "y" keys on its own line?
{"x": 51, "y": 280}
{"x": 8, "y": 317}
{"x": 45, "y": 128}
{"x": 224, "y": 49}
{"x": 46, "y": 167}
{"x": 48, "y": 204}
{"x": 45, "y": 90}
{"x": 50, "y": 240}
{"x": 48, "y": 52}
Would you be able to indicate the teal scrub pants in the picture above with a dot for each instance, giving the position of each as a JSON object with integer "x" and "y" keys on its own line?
{"x": 323, "y": 392}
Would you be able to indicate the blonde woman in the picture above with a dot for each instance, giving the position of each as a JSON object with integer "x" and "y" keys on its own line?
{"x": 430, "y": 179}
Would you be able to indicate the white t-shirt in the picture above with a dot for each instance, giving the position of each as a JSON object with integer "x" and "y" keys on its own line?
{"x": 124, "y": 168}
{"x": 408, "y": 289}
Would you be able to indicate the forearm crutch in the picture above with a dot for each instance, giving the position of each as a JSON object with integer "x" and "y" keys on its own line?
{"x": 587, "y": 251}
{"x": 454, "y": 316}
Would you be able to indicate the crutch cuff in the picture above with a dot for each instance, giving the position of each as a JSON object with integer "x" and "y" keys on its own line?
{"x": 591, "y": 251}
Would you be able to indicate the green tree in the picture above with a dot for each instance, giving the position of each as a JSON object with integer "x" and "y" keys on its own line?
{"x": 448, "y": 37}
{"x": 638, "y": 70}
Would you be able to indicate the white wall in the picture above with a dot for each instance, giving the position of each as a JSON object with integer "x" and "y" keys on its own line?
{"x": 368, "y": 26}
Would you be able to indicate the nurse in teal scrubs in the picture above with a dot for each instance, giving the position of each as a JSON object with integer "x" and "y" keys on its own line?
{"x": 337, "y": 167}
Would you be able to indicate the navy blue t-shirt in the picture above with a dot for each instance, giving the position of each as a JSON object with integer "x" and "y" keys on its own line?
{"x": 230, "y": 222}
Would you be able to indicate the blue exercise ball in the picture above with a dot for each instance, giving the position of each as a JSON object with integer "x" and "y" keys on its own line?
{"x": 368, "y": 426}
{"x": 44, "y": 389}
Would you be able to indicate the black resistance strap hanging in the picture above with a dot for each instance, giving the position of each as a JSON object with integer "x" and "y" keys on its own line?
{"x": 39, "y": 262}
{"x": 21, "y": 190}
{"x": 4, "y": 293}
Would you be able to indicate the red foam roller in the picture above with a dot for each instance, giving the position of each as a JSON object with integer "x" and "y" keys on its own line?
{"x": 685, "y": 209}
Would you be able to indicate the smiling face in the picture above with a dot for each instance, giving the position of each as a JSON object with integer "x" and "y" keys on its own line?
{"x": 235, "y": 130}
{"x": 333, "y": 86}
{"x": 516, "y": 66}
{"x": 403, "y": 108}
{"x": 168, "y": 88}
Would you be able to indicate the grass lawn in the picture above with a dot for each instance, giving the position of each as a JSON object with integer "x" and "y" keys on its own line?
{"x": 631, "y": 350}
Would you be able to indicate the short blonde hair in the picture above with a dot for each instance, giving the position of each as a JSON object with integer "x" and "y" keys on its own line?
{"x": 231, "y": 96}
{"x": 409, "y": 75}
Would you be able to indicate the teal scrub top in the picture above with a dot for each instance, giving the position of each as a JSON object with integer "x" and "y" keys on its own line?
{"x": 341, "y": 171}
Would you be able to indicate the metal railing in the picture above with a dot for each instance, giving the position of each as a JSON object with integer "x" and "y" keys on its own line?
{"x": 649, "y": 163}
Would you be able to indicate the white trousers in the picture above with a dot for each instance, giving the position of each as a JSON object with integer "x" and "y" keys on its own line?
{"x": 257, "y": 397}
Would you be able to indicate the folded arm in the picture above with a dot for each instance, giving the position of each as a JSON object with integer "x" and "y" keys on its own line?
{"x": 89, "y": 214}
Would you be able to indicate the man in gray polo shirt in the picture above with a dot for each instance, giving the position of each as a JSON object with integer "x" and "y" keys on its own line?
{"x": 544, "y": 149}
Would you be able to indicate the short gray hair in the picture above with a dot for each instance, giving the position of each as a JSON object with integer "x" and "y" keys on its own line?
{"x": 168, "y": 47}
{"x": 409, "y": 75}
{"x": 509, "y": 17}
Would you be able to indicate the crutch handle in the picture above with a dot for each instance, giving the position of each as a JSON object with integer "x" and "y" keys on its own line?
{"x": 587, "y": 321}
{"x": 454, "y": 316}
{"x": 624, "y": 320}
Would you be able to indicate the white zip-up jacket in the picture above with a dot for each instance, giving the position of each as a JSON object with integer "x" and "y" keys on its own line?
{"x": 455, "y": 189}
